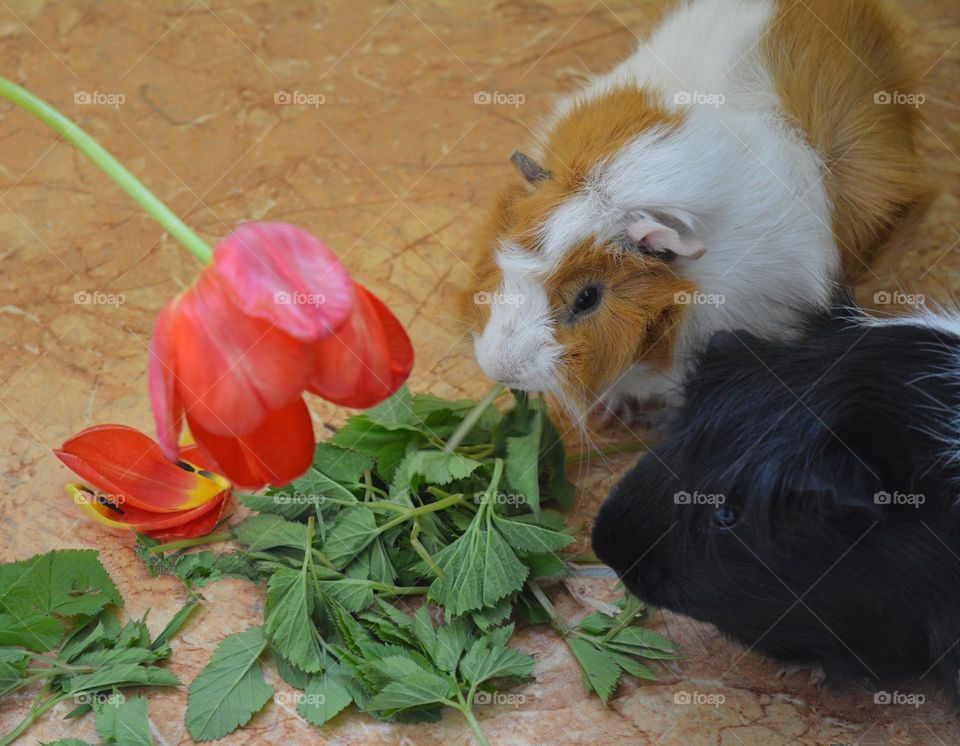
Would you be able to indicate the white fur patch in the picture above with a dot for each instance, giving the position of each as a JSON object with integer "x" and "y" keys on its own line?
{"x": 517, "y": 346}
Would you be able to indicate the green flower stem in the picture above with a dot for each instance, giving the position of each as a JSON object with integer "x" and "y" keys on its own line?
{"x": 473, "y": 416}
{"x": 556, "y": 621}
{"x": 187, "y": 543}
{"x": 612, "y": 450}
{"x": 467, "y": 709}
{"x": 109, "y": 165}
{"x": 412, "y": 513}
{"x": 37, "y": 709}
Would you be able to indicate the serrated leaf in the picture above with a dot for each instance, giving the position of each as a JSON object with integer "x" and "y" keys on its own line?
{"x": 411, "y": 685}
{"x": 395, "y": 413}
{"x": 123, "y": 720}
{"x": 488, "y": 658}
{"x": 641, "y": 637}
{"x": 267, "y": 531}
{"x": 230, "y": 689}
{"x": 480, "y": 569}
{"x": 452, "y": 639}
{"x": 288, "y": 618}
{"x": 36, "y": 593}
{"x": 523, "y": 462}
{"x": 325, "y": 696}
{"x": 527, "y": 538}
{"x": 341, "y": 464}
{"x": 352, "y": 531}
{"x": 353, "y": 594}
{"x": 440, "y": 468}
{"x": 599, "y": 670}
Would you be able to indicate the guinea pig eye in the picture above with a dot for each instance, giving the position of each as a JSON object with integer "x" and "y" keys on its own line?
{"x": 586, "y": 299}
{"x": 724, "y": 518}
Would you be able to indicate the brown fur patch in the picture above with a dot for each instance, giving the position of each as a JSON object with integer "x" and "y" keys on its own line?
{"x": 637, "y": 318}
{"x": 829, "y": 58}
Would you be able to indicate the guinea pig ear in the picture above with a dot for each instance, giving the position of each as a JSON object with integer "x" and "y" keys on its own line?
{"x": 654, "y": 236}
{"x": 532, "y": 171}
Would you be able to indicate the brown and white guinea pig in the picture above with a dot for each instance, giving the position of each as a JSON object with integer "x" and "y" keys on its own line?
{"x": 806, "y": 498}
{"x": 750, "y": 152}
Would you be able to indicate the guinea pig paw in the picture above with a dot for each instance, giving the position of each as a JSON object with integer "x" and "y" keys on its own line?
{"x": 624, "y": 410}
{"x": 817, "y": 675}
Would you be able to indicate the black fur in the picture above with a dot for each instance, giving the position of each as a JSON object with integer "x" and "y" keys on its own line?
{"x": 800, "y": 438}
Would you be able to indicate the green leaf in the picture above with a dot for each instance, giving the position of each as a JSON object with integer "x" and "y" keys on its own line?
{"x": 126, "y": 674}
{"x": 325, "y": 696}
{"x": 523, "y": 462}
{"x": 268, "y": 531}
{"x": 480, "y": 571}
{"x": 396, "y": 412}
{"x": 353, "y": 594}
{"x": 440, "y": 468}
{"x": 553, "y": 460}
{"x": 294, "y": 676}
{"x": 13, "y": 666}
{"x": 641, "y": 637}
{"x": 123, "y": 720}
{"x": 412, "y": 685}
{"x": 288, "y": 618}
{"x": 36, "y": 593}
{"x": 529, "y": 539}
{"x": 341, "y": 464}
{"x": 352, "y": 531}
{"x": 452, "y": 639}
{"x": 230, "y": 689}
{"x": 599, "y": 670}
{"x": 488, "y": 658}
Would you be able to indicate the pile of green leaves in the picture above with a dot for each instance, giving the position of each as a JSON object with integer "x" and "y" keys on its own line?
{"x": 420, "y": 499}
{"x": 58, "y": 628}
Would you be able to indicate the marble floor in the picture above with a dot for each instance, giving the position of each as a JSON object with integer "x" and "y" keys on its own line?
{"x": 387, "y": 152}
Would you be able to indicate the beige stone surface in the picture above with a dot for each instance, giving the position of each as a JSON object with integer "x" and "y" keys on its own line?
{"x": 394, "y": 170}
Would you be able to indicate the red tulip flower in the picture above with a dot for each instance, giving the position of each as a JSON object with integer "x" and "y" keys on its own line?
{"x": 274, "y": 315}
{"x": 137, "y": 487}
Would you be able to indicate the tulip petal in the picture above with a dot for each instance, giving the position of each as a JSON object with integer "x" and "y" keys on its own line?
{"x": 120, "y": 514}
{"x": 199, "y": 526}
{"x": 366, "y": 359}
{"x": 277, "y": 452}
{"x": 232, "y": 370}
{"x": 125, "y": 463}
{"x": 161, "y": 381}
{"x": 283, "y": 275}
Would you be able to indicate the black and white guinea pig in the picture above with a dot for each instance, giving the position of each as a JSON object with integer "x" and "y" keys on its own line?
{"x": 806, "y": 499}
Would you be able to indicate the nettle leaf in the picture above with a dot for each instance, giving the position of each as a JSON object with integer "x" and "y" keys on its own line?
{"x": 523, "y": 462}
{"x": 267, "y": 531}
{"x": 123, "y": 720}
{"x": 440, "y": 467}
{"x": 526, "y": 538}
{"x": 13, "y": 668}
{"x": 353, "y": 594}
{"x": 341, "y": 464}
{"x": 395, "y": 413}
{"x": 288, "y": 618}
{"x": 360, "y": 433}
{"x": 230, "y": 689}
{"x": 489, "y": 658}
{"x": 353, "y": 529}
{"x": 411, "y": 685}
{"x": 426, "y": 404}
{"x": 325, "y": 696}
{"x": 36, "y": 593}
{"x": 480, "y": 569}
{"x": 599, "y": 670}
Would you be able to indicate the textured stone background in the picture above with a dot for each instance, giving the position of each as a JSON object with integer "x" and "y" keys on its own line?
{"x": 394, "y": 170}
